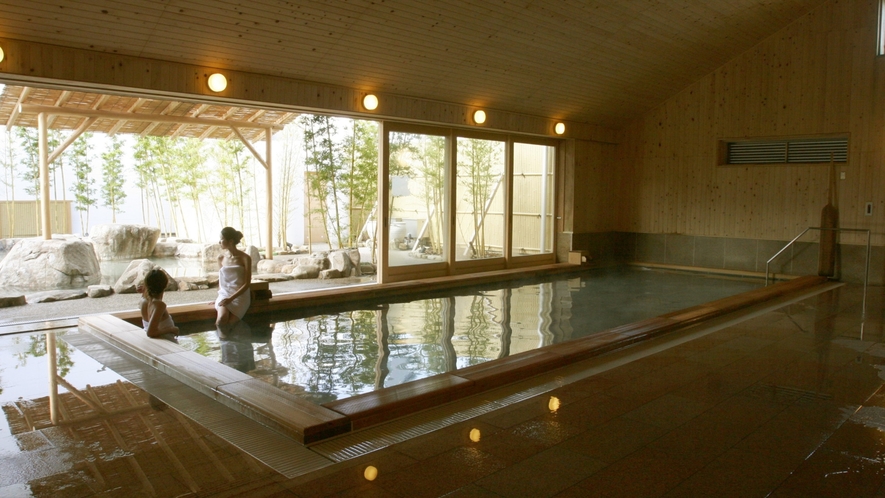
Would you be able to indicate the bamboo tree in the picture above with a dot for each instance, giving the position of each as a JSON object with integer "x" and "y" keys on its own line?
{"x": 478, "y": 158}
{"x": 190, "y": 166}
{"x": 230, "y": 179}
{"x": 82, "y": 188}
{"x": 30, "y": 165}
{"x": 287, "y": 169}
{"x": 361, "y": 182}
{"x": 112, "y": 190}
{"x": 320, "y": 155}
{"x": 9, "y": 159}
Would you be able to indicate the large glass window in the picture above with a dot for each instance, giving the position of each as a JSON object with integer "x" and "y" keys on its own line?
{"x": 417, "y": 199}
{"x": 479, "y": 224}
{"x": 533, "y": 188}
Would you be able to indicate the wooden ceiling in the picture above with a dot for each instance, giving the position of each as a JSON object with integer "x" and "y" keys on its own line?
{"x": 596, "y": 61}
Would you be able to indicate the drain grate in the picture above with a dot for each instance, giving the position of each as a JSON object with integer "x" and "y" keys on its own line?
{"x": 786, "y": 394}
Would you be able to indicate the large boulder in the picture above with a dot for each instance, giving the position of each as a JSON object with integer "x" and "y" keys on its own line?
{"x": 134, "y": 275}
{"x": 301, "y": 272}
{"x": 209, "y": 256}
{"x": 115, "y": 241}
{"x": 253, "y": 253}
{"x": 165, "y": 250}
{"x": 37, "y": 264}
{"x": 340, "y": 260}
{"x": 271, "y": 265}
{"x": 6, "y": 246}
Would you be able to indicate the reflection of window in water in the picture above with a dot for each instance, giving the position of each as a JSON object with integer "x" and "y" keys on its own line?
{"x": 237, "y": 341}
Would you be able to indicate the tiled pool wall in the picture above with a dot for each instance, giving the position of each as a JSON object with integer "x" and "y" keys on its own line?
{"x": 721, "y": 253}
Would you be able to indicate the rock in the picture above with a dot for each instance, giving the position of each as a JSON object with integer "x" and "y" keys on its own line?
{"x": 339, "y": 260}
{"x": 329, "y": 274}
{"x": 271, "y": 266}
{"x": 305, "y": 271}
{"x": 189, "y": 250}
{"x": 134, "y": 275}
{"x": 99, "y": 290}
{"x": 367, "y": 269}
{"x": 253, "y": 253}
{"x": 56, "y": 295}
{"x": 355, "y": 257}
{"x": 165, "y": 250}
{"x": 322, "y": 263}
{"x": 38, "y": 264}
{"x": 272, "y": 277}
{"x": 6, "y": 246}
{"x": 192, "y": 283}
{"x": 288, "y": 268}
{"x": 10, "y": 301}
{"x": 115, "y": 241}
{"x": 209, "y": 256}
{"x": 212, "y": 279}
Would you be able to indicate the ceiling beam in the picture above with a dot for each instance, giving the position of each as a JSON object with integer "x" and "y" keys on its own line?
{"x": 149, "y": 118}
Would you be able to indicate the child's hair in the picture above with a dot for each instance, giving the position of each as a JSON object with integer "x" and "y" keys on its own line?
{"x": 229, "y": 233}
{"x": 155, "y": 282}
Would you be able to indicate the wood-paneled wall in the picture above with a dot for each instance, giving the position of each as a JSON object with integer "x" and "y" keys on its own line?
{"x": 819, "y": 75}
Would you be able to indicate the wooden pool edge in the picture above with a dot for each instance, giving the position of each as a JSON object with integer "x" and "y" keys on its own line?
{"x": 310, "y": 423}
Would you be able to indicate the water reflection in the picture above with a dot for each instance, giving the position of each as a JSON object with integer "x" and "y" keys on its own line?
{"x": 326, "y": 356}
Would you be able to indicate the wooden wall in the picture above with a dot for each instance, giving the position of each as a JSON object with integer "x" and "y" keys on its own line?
{"x": 819, "y": 75}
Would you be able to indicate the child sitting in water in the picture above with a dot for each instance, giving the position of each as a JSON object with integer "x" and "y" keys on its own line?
{"x": 156, "y": 320}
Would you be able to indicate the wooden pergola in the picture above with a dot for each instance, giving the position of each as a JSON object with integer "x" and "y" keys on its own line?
{"x": 46, "y": 109}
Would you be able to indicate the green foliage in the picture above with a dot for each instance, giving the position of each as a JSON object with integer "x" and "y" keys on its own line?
{"x": 31, "y": 160}
{"x": 112, "y": 189}
{"x": 360, "y": 183}
{"x": 324, "y": 157}
{"x": 82, "y": 188}
{"x": 231, "y": 182}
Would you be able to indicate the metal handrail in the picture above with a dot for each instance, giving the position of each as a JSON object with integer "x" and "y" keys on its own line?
{"x": 866, "y": 275}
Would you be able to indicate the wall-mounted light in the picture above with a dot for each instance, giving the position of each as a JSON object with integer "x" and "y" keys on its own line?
{"x": 2, "y": 55}
{"x": 559, "y": 128}
{"x": 479, "y": 116}
{"x": 217, "y": 82}
{"x": 370, "y": 102}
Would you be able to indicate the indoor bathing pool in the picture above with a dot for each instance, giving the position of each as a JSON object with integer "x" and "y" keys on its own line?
{"x": 328, "y": 356}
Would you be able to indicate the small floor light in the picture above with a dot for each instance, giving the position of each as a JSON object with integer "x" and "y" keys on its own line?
{"x": 475, "y": 435}
{"x": 553, "y": 404}
{"x": 370, "y": 102}
{"x": 559, "y": 128}
{"x": 479, "y": 117}
{"x": 217, "y": 82}
{"x": 2, "y": 55}
{"x": 371, "y": 473}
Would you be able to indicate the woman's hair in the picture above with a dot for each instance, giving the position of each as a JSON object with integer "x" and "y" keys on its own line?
{"x": 155, "y": 282}
{"x": 228, "y": 233}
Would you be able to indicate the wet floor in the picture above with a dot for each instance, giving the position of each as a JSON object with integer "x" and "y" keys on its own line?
{"x": 787, "y": 403}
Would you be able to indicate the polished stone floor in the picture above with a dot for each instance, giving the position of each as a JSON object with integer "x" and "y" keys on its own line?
{"x": 785, "y": 402}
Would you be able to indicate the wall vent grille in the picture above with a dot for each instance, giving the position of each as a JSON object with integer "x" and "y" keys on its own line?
{"x": 792, "y": 151}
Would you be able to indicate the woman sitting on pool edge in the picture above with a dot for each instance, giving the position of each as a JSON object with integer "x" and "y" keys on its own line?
{"x": 154, "y": 316}
{"x": 234, "y": 277}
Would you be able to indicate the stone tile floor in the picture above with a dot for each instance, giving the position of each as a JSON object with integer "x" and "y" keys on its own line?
{"x": 789, "y": 403}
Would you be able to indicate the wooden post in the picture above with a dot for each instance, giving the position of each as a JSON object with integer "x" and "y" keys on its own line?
{"x": 829, "y": 218}
{"x": 268, "y": 134}
{"x": 43, "y": 148}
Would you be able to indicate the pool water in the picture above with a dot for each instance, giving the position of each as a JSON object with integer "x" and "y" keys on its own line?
{"x": 334, "y": 355}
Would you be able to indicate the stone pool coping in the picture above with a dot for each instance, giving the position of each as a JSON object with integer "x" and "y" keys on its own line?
{"x": 309, "y": 423}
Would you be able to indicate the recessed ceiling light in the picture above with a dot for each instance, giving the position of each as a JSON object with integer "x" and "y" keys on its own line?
{"x": 479, "y": 117}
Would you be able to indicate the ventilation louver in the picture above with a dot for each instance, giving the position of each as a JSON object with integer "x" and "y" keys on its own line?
{"x": 793, "y": 151}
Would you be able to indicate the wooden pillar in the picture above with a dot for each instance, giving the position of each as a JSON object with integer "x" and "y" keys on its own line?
{"x": 268, "y": 133}
{"x": 43, "y": 146}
